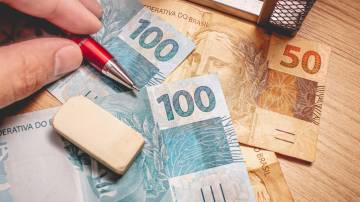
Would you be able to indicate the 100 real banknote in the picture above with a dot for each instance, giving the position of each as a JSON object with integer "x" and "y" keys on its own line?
{"x": 274, "y": 87}
{"x": 190, "y": 153}
{"x": 147, "y": 47}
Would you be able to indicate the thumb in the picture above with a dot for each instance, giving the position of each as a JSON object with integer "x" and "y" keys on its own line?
{"x": 27, "y": 66}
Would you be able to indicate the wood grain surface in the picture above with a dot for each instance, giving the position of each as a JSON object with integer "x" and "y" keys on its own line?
{"x": 335, "y": 174}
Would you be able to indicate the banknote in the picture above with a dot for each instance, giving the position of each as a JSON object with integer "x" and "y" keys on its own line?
{"x": 190, "y": 153}
{"x": 266, "y": 176}
{"x": 289, "y": 100}
{"x": 33, "y": 162}
{"x": 147, "y": 47}
{"x": 274, "y": 87}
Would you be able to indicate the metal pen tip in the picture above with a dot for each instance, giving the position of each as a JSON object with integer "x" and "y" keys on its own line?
{"x": 113, "y": 70}
{"x": 135, "y": 88}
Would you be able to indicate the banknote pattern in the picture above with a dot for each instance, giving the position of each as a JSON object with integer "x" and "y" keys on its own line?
{"x": 266, "y": 176}
{"x": 274, "y": 87}
{"x": 4, "y": 185}
{"x": 194, "y": 155}
{"x": 185, "y": 157}
{"x": 284, "y": 110}
{"x": 33, "y": 163}
{"x": 288, "y": 95}
{"x": 148, "y": 48}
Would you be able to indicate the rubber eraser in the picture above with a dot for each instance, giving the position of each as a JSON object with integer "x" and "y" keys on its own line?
{"x": 98, "y": 133}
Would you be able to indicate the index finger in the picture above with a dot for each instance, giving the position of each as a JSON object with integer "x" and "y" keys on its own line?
{"x": 70, "y": 15}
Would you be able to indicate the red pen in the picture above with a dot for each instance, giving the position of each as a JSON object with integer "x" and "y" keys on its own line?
{"x": 102, "y": 60}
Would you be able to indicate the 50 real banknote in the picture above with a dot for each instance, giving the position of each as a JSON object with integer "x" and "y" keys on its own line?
{"x": 190, "y": 153}
{"x": 274, "y": 87}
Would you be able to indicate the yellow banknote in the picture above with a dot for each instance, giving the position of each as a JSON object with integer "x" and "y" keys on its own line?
{"x": 286, "y": 115}
{"x": 274, "y": 105}
{"x": 265, "y": 174}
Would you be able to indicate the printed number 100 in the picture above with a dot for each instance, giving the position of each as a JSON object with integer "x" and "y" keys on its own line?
{"x": 189, "y": 102}
{"x": 156, "y": 41}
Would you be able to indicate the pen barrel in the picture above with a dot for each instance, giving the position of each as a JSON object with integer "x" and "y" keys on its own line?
{"x": 94, "y": 53}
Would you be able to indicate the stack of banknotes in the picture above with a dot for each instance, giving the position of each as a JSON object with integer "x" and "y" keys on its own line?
{"x": 208, "y": 81}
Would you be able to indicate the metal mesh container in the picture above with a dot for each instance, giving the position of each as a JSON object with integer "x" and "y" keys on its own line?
{"x": 287, "y": 16}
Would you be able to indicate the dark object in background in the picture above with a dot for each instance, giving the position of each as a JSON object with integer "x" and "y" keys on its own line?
{"x": 286, "y": 16}
{"x": 16, "y": 26}
{"x": 282, "y": 16}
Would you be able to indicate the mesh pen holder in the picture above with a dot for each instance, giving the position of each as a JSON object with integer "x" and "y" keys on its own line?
{"x": 285, "y": 16}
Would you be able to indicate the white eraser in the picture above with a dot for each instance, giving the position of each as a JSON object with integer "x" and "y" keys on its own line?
{"x": 98, "y": 133}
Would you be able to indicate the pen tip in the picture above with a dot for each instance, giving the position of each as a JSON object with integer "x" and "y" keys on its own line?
{"x": 135, "y": 88}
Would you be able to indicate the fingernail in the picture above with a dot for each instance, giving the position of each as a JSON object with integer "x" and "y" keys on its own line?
{"x": 67, "y": 59}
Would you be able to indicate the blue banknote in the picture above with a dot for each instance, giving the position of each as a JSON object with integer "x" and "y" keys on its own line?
{"x": 33, "y": 163}
{"x": 190, "y": 153}
{"x": 147, "y": 47}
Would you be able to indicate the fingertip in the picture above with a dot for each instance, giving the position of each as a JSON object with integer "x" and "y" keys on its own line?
{"x": 92, "y": 25}
{"x": 86, "y": 22}
{"x": 96, "y": 26}
{"x": 72, "y": 16}
{"x": 93, "y": 6}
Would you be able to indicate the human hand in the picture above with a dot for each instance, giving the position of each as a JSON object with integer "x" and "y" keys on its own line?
{"x": 27, "y": 66}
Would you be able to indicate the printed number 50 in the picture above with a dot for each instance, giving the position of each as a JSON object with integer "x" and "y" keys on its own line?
{"x": 189, "y": 101}
{"x": 156, "y": 41}
{"x": 305, "y": 59}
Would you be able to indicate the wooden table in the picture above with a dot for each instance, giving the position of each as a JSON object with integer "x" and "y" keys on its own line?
{"x": 335, "y": 175}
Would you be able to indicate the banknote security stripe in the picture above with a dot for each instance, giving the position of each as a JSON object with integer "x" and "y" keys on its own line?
{"x": 98, "y": 133}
